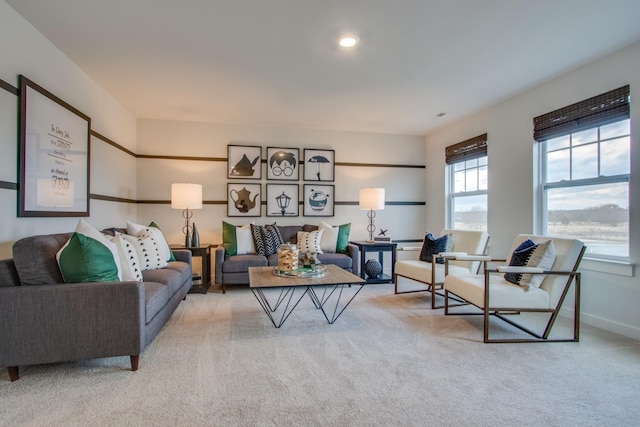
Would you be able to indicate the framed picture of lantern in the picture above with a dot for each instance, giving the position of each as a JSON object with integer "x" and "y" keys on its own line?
{"x": 283, "y": 200}
{"x": 318, "y": 200}
{"x": 283, "y": 164}
{"x": 244, "y": 162}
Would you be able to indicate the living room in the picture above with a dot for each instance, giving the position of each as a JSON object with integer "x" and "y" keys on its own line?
{"x": 135, "y": 160}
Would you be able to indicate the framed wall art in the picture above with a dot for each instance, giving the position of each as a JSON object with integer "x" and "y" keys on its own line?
{"x": 53, "y": 155}
{"x": 283, "y": 200}
{"x": 283, "y": 163}
{"x": 244, "y": 161}
{"x": 319, "y": 165}
{"x": 318, "y": 200}
{"x": 244, "y": 199}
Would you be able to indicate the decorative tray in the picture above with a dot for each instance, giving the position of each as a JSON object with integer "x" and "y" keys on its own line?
{"x": 318, "y": 271}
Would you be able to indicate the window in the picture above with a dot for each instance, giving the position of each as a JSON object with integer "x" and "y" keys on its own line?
{"x": 467, "y": 165}
{"x": 584, "y": 177}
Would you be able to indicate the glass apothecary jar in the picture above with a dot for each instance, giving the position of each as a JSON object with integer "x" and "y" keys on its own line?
{"x": 287, "y": 257}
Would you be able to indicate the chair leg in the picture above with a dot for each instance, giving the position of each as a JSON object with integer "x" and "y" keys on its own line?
{"x": 134, "y": 362}
{"x": 14, "y": 373}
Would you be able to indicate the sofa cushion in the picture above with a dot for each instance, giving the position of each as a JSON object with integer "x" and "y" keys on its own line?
{"x": 183, "y": 268}
{"x": 530, "y": 254}
{"x": 341, "y": 260}
{"x": 89, "y": 256}
{"x": 289, "y": 233}
{"x": 334, "y": 239}
{"x": 309, "y": 241}
{"x": 237, "y": 240}
{"x": 432, "y": 246}
{"x": 129, "y": 260}
{"x": 148, "y": 251}
{"x": 241, "y": 263}
{"x": 139, "y": 230}
{"x": 267, "y": 239}
{"x": 85, "y": 259}
{"x": 172, "y": 279}
{"x": 156, "y": 296}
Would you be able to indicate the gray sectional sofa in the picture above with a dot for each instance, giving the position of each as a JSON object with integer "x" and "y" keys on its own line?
{"x": 44, "y": 320}
{"x": 234, "y": 270}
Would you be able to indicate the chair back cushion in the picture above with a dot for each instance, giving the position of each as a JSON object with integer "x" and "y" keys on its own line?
{"x": 567, "y": 254}
{"x": 471, "y": 242}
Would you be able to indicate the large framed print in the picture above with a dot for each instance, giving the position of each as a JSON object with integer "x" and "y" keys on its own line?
{"x": 318, "y": 200}
{"x": 283, "y": 163}
{"x": 53, "y": 155}
{"x": 244, "y": 199}
{"x": 244, "y": 161}
{"x": 283, "y": 200}
{"x": 319, "y": 165}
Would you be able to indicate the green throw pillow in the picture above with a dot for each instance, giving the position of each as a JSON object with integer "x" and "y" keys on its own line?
{"x": 229, "y": 241}
{"x": 84, "y": 259}
{"x": 343, "y": 238}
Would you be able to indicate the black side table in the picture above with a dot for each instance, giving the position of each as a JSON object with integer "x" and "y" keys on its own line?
{"x": 201, "y": 279}
{"x": 380, "y": 248}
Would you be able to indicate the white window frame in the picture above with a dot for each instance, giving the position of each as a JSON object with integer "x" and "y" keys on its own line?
{"x": 599, "y": 180}
{"x": 453, "y": 195}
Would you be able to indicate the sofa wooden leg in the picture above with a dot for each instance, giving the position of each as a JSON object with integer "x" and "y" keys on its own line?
{"x": 14, "y": 374}
{"x": 134, "y": 362}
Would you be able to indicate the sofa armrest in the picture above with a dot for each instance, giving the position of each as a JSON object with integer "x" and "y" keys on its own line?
{"x": 183, "y": 255}
{"x": 70, "y": 321}
{"x": 354, "y": 253}
{"x": 218, "y": 257}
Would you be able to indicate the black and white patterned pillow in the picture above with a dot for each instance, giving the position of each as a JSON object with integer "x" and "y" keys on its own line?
{"x": 129, "y": 261}
{"x": 267, "y": 239}
{"x": 148, "y": 251}
{"x": 309, "y": 241}
{"x": 530, "y": 254}
{"x": 432, "y": 246}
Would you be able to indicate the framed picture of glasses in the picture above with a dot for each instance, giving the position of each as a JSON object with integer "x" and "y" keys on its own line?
{"x": 283, "y": 163}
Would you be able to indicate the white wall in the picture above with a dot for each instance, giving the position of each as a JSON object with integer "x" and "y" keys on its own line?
{"x": 113, "y": 173}
{"x": 157, "y": 137}
{"x": 610, "y": 293}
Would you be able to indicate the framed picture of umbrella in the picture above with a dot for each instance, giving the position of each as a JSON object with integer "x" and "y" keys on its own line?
{"x": 283, "y": 200}
{"x": 318, "y": 200}
{"x": 244, "y": 161}
{"x": 283, "y": 163}
{"x": 319, "y": 165}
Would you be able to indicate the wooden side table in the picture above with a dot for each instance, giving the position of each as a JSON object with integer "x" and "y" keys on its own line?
{"x": 380, "y": 248}
{"x": 201, "y": 279}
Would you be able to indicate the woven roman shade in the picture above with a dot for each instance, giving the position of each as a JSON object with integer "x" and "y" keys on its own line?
{"x": 466, "y": 150}
{"x": 596, "y": 111}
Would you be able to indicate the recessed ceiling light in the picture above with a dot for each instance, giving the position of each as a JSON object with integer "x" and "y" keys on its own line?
{"x": 348, "y": 40}
{"x": 439, "y": 115}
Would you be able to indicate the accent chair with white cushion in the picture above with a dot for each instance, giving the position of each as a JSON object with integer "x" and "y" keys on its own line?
{"x": 540, "y": 272}
{"x": 433, "y": 273}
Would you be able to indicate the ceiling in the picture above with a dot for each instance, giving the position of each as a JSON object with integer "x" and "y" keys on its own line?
{"x": 276, "y": 62}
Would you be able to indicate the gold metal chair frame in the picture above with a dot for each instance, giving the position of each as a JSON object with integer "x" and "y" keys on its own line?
{"x": 501, "y": 312}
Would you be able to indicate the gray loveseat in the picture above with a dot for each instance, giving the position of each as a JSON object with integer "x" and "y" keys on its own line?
{"x": 44, "y": 320}
{"x": 234, "y": 270}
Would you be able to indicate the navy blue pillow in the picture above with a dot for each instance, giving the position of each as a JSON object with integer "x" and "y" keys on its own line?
{"x": 519, "y": 258}
{"x": 432, "y": 246}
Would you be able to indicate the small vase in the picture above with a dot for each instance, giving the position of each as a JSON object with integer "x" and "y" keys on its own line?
{"x": 195, "y": 237}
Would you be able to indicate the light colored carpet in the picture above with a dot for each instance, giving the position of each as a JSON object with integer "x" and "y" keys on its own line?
{"x": 389, "y": 360}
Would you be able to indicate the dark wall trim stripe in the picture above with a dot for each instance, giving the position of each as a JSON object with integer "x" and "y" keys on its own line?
{"x": 386, "y": 203}
{"x": 197, "y": 158}
{"x": 113, "y": 143}
{"x": 9, "y": 87}
{"x": 111, "y": 198}
{"x": 8, "y": 185}
{"x": 380, "y": 165}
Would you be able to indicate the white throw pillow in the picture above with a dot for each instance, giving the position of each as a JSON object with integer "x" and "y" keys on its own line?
{"x": 329, "y": 237}
{"x": 129, "y": 260}
{"x": 139, "y": 230}
{"x": 309, "y": 241}
{"x": 148, "y": 252}
{"x": 244, "y": 240}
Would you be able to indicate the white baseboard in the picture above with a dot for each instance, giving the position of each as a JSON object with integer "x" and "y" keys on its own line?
{"x": 605, "y": 324}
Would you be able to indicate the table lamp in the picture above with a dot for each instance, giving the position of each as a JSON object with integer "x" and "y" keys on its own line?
{"x": 187, "y": 196}
{"x": 371, "y": 199}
